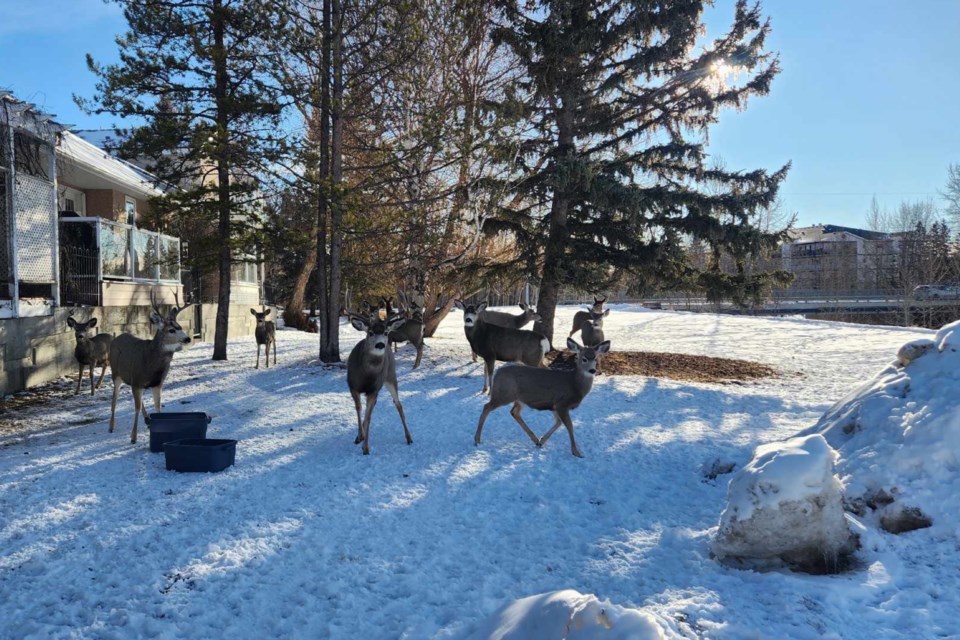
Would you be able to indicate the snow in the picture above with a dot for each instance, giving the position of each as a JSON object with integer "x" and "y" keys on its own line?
{"x": 305, "y": 537}
{"x": 786, "y": 504}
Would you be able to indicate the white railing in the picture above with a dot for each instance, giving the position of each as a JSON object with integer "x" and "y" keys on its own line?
{"x": 128, "y": 253}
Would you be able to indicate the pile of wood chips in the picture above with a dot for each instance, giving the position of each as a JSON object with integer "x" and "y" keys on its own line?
{"x": 676, "y": 366}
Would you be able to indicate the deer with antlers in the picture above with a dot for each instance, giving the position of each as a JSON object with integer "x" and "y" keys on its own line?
{"x": 144, "y": 364}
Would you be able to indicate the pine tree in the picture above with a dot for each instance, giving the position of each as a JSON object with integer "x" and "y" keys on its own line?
{"x": 609, "y": 164}
{"x": 192, "y": 72}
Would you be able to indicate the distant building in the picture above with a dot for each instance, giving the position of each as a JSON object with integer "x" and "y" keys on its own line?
{"x": 835, "y": 258}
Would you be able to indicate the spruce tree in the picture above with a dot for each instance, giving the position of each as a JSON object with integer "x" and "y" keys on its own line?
{"x": 193, "y": 77}
{"x": 608, "y": 169}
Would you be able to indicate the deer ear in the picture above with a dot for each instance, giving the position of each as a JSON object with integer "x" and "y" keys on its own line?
{"x": 253, "y": 312}
{"x": 458, "y": 304}
{"x": 71, "y": 322}
{"x": 572, "y": 345}
{"x": 396, "y": 323}
{"x": 481, "y": 307}
{"x": 155, "y": 318}
{"x": 523, "y": 306}
{"x": 92, "y": 322}
{"x": 266, "y": 312}
{"x": 358, "y": 323}
{"x": 606, "y": 313}
{"x": 603, "y": 347}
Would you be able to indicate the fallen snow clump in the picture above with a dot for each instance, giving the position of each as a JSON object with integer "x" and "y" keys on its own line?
{"x": 786, "y": 505}
{"x": 567, "y": 615}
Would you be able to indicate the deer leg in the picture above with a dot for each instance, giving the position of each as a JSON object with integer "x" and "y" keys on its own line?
{"x": 473, "y": 354}
{"x": 568, "y": 423}
{"x": 258, "y": 356}
{"x": 396, "y": 402}
{"x": 103, "y": 370}
{"x": 92, "y": 388}
{"x": 79, "y": 380}
{"x": 113, "y": 404}
{"x": 274, "y": 353}
{"x": 488, "y": 366}
{"x": 371, "y": 403}
{"x": 419, "y": 355}
{"x": 356, "y": 402}
{"x": 137, "y": 407}
{"x": 556, "y": 425}
{"x": 515, "y": 412}
{"x": 487, "y": 408}
{"x": 156, "y": 400}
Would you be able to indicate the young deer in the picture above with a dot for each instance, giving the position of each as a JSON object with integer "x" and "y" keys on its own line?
{"x": 370, "y": 367}
{"x": 545, "y": 390}
{"x": 492, "y": 342}
{"x": 266, "y": 335}
{"x": 592, "y": 331}
{"x": 144, "y": 364}
{"x": 412, "y": 332}
{"x": 90, "y": 351}
{"x": 580, "y": 316}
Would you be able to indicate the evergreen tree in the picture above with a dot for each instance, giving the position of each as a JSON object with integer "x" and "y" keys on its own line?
{"x": 192, "y": 71}
{"x": 609, "y": 166}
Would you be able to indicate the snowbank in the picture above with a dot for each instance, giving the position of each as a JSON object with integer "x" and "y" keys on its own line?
{"x": 567, "y": 615}
{"x": 786, "y": 504}
{"x": 898, "y": 436}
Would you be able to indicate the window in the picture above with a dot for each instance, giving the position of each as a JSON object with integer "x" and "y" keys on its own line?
{"x": 130, "y": 208}
{"x": 73, "y": 200}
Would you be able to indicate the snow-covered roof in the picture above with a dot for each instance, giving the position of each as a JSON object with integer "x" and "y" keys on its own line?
{"x": 92, "y": 158}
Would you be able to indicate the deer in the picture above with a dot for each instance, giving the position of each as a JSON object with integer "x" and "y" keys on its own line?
{"x": 411, "y": 331}
{"x": 266, "y": 335}
{"x": 592, "y": 331}
{"x": 512, "y": 320}
{"x": 545, "y": 390}
{"x": 144, "y": 364}
{"x": 493, "y": 342}
{"x": 90, "y": 352}
{"x": 370, "y": 367}
{"x": 581, "y": 316}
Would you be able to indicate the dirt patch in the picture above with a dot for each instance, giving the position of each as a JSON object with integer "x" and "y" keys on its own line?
{"x": 676, "y": 366}
{"x": 13, "y": 406}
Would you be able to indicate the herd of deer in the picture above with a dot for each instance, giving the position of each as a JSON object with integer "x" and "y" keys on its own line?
{"x": 493, "y": 335}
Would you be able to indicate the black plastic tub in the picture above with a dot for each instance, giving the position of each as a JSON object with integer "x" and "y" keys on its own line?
{"x": 165, "y": 427}
{"x": 200, "y": 454}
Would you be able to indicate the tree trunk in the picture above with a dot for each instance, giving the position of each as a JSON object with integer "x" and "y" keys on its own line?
{"x": 293, "y": 314}
{"x": 555, "y": 251}
{"x": 223, "y": 186}
{"x": 323, "y": 189}
{"x": 432, "y": 319}
{"x": 330, "y": 352}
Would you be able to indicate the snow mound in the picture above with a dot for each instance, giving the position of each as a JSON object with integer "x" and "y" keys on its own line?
{"x": 786, "y": 505}
{"x": 567, "y": 615}
{"x": 898, "y": 435}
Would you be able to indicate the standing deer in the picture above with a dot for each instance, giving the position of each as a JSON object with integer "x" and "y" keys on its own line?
{"x": 266, "y": 335}
{"x": 592, "y": 331}
{"x": 580, "y": 316}
{"x": 545, "y": 390}
{"x": 511, "y": 320}
{"x": 371, "y": 366}
{"x": 412, "y": 332}
{"x": 90, "y": 351}
{"x": 493, "y": 342}
{"x": 144, "y": 364}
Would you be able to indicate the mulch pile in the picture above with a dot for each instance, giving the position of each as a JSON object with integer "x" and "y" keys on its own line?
{"x": 676, "y": 366}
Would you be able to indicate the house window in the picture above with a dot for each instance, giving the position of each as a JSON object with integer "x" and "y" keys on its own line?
{"x": 73, "y": 201}
{"x": 130, "y": 208}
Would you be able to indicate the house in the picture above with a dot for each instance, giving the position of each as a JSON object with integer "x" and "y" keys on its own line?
{"x": 836, "y": 258}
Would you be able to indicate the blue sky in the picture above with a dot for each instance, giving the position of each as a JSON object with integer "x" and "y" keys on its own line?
{"x": 868, "y": 102}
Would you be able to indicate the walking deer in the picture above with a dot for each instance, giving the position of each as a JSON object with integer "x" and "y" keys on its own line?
{"x": 545, "y": 390}
{"x": 266, "y": 335}
{"x": 90, "y": 351}
{"x": 370, "y": 367}
{"x": 493, "y": 342}
{"x": 580, "y": 316}
{"x": 144, "y": 364}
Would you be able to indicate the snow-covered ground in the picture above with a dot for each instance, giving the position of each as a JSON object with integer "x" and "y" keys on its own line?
{"x": 305, "y": 537}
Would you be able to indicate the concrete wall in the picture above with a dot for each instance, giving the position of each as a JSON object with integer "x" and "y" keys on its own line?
{"x": 38, "y": 350}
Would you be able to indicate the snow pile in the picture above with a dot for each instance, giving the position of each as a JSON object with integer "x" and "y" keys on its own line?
{"x": 899, "y": 437}
{"x": 786, "y": 504}
{"x": 567, "y": 615}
